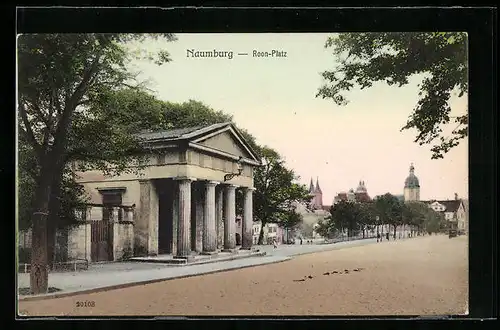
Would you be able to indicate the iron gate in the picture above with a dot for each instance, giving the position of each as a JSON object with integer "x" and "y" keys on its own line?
{"x": 101, "y": 240}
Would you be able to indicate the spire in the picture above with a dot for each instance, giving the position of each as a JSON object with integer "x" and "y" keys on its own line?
{"x": 412, "y": 168}
{"x": 318, "y": 189}
{"x": 311, "y": 186}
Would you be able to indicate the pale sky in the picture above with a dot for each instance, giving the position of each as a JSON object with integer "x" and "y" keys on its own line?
{"x": 274, "y": 99}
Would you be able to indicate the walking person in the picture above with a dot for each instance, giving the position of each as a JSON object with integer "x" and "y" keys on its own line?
{"x": 387, "y": 236}
{"x": 378, "y": 237}
{"x": 275, "y": 243}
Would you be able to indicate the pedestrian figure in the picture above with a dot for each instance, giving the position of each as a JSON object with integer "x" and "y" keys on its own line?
{"x": 301, "y": 241}
{"x": 275, "y": 243}
{"x": 387, "y": 236}
{"x": 378, "y": 237}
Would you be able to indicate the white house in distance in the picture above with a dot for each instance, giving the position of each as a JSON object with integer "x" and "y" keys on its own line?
{"x": 271, "y": 231}
{"x": 453, "y": 210}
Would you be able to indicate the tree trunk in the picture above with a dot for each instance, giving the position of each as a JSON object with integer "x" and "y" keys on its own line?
{"x": 261, "y": 234}
{"x": 39, "y": 275}
{"x": 53, "y": 219}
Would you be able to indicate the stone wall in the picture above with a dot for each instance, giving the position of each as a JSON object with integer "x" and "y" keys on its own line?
{"x": 75, "y": 242}
{"x": 123, "y": 240}
{"x": 79, "y": 242}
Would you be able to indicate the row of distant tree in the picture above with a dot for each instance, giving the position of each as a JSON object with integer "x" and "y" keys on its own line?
{"x": 359, "y": 218}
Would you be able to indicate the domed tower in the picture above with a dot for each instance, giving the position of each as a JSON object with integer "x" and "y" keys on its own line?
{"x": 412, "y": 186}
{"x": 361, "y": 188}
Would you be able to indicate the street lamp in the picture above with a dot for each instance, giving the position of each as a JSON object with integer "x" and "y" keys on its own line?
{"x": 229, "y": 176}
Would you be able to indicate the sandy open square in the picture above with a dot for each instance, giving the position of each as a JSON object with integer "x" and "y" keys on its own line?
{"x": 425, "y": 275}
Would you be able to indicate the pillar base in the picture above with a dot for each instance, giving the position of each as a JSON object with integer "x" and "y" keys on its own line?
{"x": 209, "y": 253}
{"x": 246, "y": 248}
{"x": 230, "y": 250}
{"x": 187, "y": 258}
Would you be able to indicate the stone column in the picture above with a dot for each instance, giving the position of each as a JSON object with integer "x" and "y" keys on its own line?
{"x": 209, "y": 224}
{"x": 146, "y": 225}
{"x": 184, "y": 225}
{"x": 230, "y": 218}
{"x": 198, "y": 219}
{"x": 219, "y": 216}
{"x": 175, "y": 217}
{"x": 247, "y": 221}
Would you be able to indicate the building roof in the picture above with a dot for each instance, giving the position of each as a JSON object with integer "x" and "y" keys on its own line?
{"x": 358, "y": 197}
{"x": 180, "y": 133}
{"x": 193, "y": 135}
{"x": 311, "y": 187}
{"x": 362, "y": 197}
{"x": 450, "y": 205}
{"x": 412, "y": 180}
{"x": 361, "y": 187}
{"x": 318, "y": 189}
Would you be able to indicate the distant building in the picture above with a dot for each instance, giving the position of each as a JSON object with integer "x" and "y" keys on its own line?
{"x": 454, "y": 211}
{"x": 412, "y": 186}
{"x": 271, "y": 231}
{"x": 360, "y": 195}
{"x": 316, "y": 196}
{"x": 312, "y": 212}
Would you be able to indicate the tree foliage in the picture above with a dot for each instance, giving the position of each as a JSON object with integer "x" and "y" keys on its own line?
{"x": 276, "y": 191}
{"x": 58, "y": 76}
{"x": 365, "y": 58}
{"x": 389, "y": 210}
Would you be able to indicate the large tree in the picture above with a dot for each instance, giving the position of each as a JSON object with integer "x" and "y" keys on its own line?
{"x": 367, "y": 217}
{"x": 394, "y": 57}
{"x": 58, "y": 75}
{"x": 345, "y": 215}
{"x": 389, "y": 210}
{"x": 414, "y": 214}
{"x": 276, "y": 191}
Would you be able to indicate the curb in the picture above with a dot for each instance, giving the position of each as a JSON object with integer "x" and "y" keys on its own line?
{"x": 202, "y": 262}
{"x": 131, "y": 284}
{"x": 327, "y": 250}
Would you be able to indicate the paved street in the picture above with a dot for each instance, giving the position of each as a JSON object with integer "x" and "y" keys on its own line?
{"x": 425, "y": 275}
{"x": 120, "y": 273}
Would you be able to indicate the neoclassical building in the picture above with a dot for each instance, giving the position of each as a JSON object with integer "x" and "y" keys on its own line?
{"x": 412, "y": 186}
{"x": 183, "y": 201}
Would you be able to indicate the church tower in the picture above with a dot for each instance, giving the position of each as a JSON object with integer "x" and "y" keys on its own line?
{"x": 412, "y": 186}
{"x": 317, "y": 195}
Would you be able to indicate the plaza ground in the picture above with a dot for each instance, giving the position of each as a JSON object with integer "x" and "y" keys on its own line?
{"x": 420, "y": 276}
{"x": 101, "y": 276}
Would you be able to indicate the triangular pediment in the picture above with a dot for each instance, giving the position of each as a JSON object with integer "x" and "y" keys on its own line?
{"x": 227, "y": 142}
{"x": 222, "y": 138}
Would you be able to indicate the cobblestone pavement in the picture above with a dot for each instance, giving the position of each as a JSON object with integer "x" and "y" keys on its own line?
{"x": 421, "y": 276}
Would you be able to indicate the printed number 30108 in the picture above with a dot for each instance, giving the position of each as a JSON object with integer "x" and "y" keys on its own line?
{"x": 85, "y": 303}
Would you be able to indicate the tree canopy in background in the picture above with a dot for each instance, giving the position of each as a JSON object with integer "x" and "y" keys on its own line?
{"x": 355, "y": 217}
{"x": 276, "y": 192}
{"x": 365, "y": 58}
